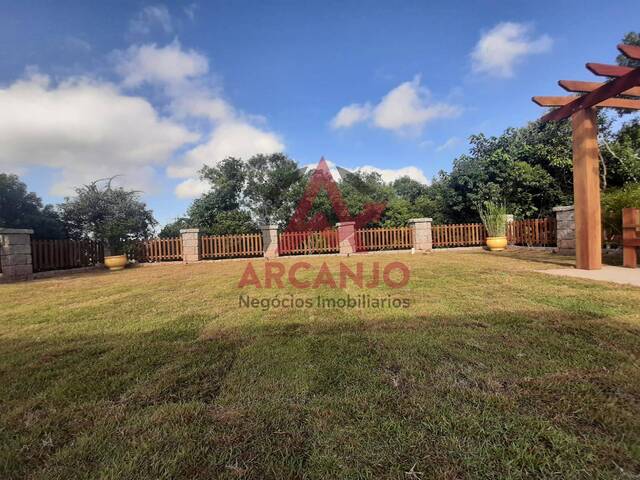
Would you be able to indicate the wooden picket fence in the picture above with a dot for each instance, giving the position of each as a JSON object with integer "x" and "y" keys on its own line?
{"x": 388, "y": 238}
{"x": 63, "y": 254}
{"x": 157, "y": 250}
{"x": 228, "y": 246}
{"x": 458, "y": 235}
{"x": 540, "y": 232}
{"x": 535, "y": 233}
{"x": 307, "y": 243}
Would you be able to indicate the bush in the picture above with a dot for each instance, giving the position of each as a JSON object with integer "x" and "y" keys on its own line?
{"x": 613, "y": 201}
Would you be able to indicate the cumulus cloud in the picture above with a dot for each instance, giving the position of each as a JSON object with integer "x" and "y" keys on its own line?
{"x": 350, "y": 115}
{"x": 388, "y": 174}
{"x": 84, "y": 130}
{"x": 169, "y": 65}
{"x": 236, "y": 139}
{"x": 406, "y": 108}
{"x": 504, "y": 46}
{"x": 183, "y": 76}
{"x": 150, "y": 18}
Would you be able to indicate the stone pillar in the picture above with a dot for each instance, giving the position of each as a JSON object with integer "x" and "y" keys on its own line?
{"x": 565, "y": 230}
{"x": 347, "y": 237}
{"x": 15, "y": 254}
{"x": 422, "y": 234}
{"x": 270, "y": 240}
{"x": 190, "y": 245}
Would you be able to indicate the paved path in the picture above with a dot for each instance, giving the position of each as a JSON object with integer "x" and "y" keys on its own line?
{"x": 624, "y": 276}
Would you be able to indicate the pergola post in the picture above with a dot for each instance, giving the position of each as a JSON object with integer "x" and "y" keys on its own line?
{"x": 586, "y": 189}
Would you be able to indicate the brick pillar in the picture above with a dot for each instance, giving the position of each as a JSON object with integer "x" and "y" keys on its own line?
{"x": 270, "y": 240}
{"x": 422, "y": 234}
{"x": 190, "y": 245}
{"x": 565, "y": 230}
{"x": 347, "y": 237}
{"x": 15, "y": 254}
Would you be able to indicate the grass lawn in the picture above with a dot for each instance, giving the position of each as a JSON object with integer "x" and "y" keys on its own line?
{"x": 494, "y": 371}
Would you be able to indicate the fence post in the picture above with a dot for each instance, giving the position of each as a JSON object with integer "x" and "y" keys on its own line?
{"x": 510, "y": 220}
{"x": 347, "y": 237}
{"x": 190, "y": 245}
{"x": 15, "y": 254}
{"x": 630, "y": 223}
{"x": 270, "y": 240}
{"x": 565, "y": 230}
{"x": 422, "y": 234}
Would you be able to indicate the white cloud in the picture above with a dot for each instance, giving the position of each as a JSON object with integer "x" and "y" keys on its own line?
{"x": 350, "y": 115}
{"x": 235, "y": 139}
{"x": 405, "y": 109}
{"x": 387, "y": 174}
{"x": 150, "y": 18}
{"x": 391, "y": 174}
{"x": 190, "y": 11}
{"x": 183, "y": 76}
{"x": 450, "y": 143}
{"x": 504, "y": 46}
{"x": 84, "y": 130}
{"x": 170, "y": 65}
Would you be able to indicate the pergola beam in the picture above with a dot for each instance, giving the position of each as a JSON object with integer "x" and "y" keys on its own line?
{"x": 604, "y": 70}
{"x": 586, "y": 87}
{"x": 629, "y": 51}
{"x": 624, "y": 103}
{"x": 606, "y": 92}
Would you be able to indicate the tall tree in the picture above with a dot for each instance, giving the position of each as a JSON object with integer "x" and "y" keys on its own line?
{"x": 22, "y": 209}
{"x": 268, "y": 179}
{"x": 105, "y": 213}
{"x": 631, "y": 38}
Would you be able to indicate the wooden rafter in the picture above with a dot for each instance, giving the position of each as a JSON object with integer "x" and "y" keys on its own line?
{"x": 624, "y": 103}
{"x": 585, "y": 87}
{"x": 604, "y": 70}
{"x": 630, "y": 51}
{"x": 591, "y": 99}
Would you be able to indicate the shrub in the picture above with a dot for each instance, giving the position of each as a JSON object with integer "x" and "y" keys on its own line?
{"x": 613, "y": 201}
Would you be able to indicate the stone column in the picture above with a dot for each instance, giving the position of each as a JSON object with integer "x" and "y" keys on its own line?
{"x": 15, "y": 254}
{"x": 270, "y": 240}
{"x": 422, "y": 234}
{"x": 347, "y": 237}
{"x": 565, "y": 230}
{"x": 190, "y": 245}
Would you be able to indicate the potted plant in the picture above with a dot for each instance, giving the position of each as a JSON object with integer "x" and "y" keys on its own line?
{"x": 494, "y": 218}
{"x": 118, "y": 258}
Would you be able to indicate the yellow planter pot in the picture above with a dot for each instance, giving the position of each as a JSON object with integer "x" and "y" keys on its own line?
{"x": 115, "y": 262}
{"x": 496, "y": 244}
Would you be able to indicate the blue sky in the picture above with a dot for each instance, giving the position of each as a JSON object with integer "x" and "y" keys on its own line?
{"x": 153, "y": 90}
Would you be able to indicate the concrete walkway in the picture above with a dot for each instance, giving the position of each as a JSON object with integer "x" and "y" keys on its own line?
{"x": 621, "y": 275}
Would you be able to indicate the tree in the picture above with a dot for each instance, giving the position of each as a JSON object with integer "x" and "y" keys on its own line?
{"x": 104, "y": 213}
{"x": 268, "y": 179}
{"x": 409, "y": 189}
{"x": 631, "y": 38}
{"x": 22, "y": 209}
{"x": 173, "y": 229}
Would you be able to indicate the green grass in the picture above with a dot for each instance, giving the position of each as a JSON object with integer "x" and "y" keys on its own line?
{"x": 495, "y": 371}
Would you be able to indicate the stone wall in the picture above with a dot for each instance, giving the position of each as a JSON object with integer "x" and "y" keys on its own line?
{"x": 15, "y": 254}
{"x": 565, "y": 230}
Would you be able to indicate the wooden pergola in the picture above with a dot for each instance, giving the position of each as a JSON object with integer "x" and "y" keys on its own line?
{"x": 618, "y": 93}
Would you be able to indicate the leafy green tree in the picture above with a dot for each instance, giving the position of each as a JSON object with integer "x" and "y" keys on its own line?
{"x": 268, "y": 179}
{"x": 631, "y": 38}
{"x": 105, "y": 213}
{"x": 22, "y": 209}
{"x": 173, "y": 229}
{"x": 409, "y": 189}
